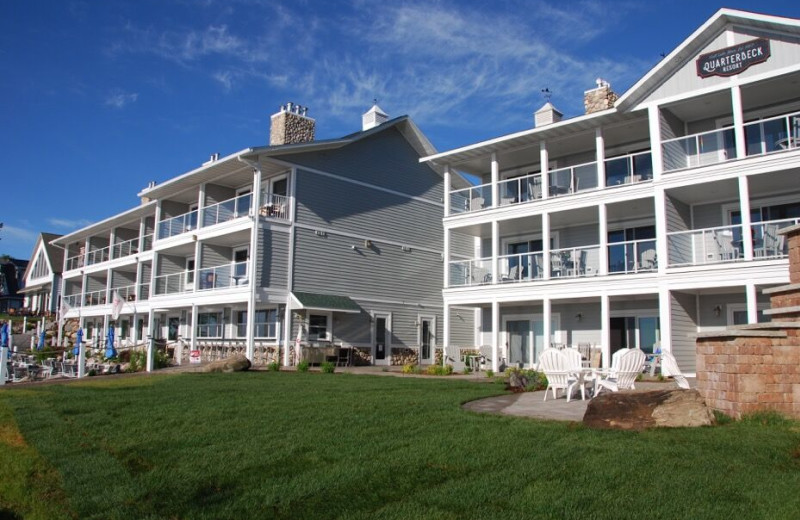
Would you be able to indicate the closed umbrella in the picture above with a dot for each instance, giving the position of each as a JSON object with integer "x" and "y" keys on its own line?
{"x": 78, "y": 338}
{"x": 4, "y": 335}
{"x": 110, "y": 351}
{"x": 40, "y": 346}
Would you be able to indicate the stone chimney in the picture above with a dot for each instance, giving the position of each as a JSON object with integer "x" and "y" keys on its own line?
{"x": 291, "y": 125}
{"x": 600, "y": 98}
{"x": 546, "y": 115}
{"x": 373, "y": 117}
{"x": 144, "y": 198}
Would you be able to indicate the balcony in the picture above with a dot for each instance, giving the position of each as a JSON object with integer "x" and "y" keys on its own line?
{"x": 275, "y": 206}
{"x": 97, "y": 256}
{"x": 703, "y": 149}
{"x": 227, "y": 210}
{"x": 470, "y": 272}
{"x": 705, "y": 246}
{"x": 177, "y": 225}
{"x": 127, "y": 293}
{"x": 632, "y": 256}
{"x": 520, "y": 189}
{"x": 573, "y": 179}
{"x": 629, "y": 169}
{"x": 131, "y": 247}
{"x": 75, "y": 262}
{"x": 144, "y": 291}
{"x": 74, "y": 300}
{"x": 471, "y": 199}
{"x": 767, "y": 243}
{"x": 175, "y": 283}
{"x": 775, "y": 134}
{"x": 223, "y": 276}
{"x": 95, "y": 298}
{"x": 575, "y": 262}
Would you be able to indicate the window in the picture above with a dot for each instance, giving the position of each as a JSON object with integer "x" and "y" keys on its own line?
{"x": 631, "y": 249}
{"x": 209, "y": 325}
{"x": 737, "y": 313}
{"x": 89, "y": 330}
{"x": 266, "y": 324}
{"x": 240, "y": 266}
{"x": 189, "y": 272}
{"x": 124, "y": 329}
{"x": 318, "y": 327}
{"x": 243, "y": 201}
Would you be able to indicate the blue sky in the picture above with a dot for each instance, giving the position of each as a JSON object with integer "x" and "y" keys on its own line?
{"x": 99, "y": 97}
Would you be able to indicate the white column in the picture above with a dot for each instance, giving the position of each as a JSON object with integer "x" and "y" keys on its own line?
{"x": 752, "y": 303}
{"x": 156, "y": 220}
{"x": 201, "y": 204}
{"x": 112, "y": 238}
{"x": 446, "y": 256}
{"x": 287, "y": 332}
{"x": 495, "y": 181}
{"x": 544, "y": 161}
{"x": 600, "y": 154}
{"x": 654, "y": 123}
{"x": 547, "y": 317}
{"x": 605, "y": 329}
{"x": 151, "y": 321}
{"x": 193, "y": 328}
{"x": 446, "y": 190}
{"x": 659, "y": 199}
{"x": 546, "y": 245}
{"x": 495, "y": 336}
{"x": 495, "y": 251}
{"x": 4, "y": 358}
{"x": 665, "y": 318}
{"x": 252, "y": 263}
{"x": 744, "y": 208}
{"x": 738, "y": 122}
{"x": 602, "y": 219}
{"x": 445, "y": 331}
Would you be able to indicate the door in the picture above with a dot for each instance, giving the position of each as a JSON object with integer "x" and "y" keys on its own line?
{"x": 426, "y": 340}
{"x": 240, "y": 267}
{"x": 382, "y": 356}
{"x": 519, "y": 339}
{"x": 173, "y": 325}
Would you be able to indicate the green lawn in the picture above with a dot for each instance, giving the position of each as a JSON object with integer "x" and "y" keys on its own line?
{"x": 314, "y": 446}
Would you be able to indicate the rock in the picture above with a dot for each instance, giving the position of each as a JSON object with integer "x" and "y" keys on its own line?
{"x": 517, "y": 381}
{"x": 232, "y": 364}
{"x": 640, "y": 410}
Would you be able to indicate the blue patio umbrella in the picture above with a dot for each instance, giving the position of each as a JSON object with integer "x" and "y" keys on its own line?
{"x": 110, "y": 351}
{"x": 4, "y": 335}
{"x": 40, "y": 345}
{"x": 78, "y": 338}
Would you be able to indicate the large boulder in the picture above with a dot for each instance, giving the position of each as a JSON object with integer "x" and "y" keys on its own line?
{"x": 640, "y": 410}
{"x": 236, "y": 363}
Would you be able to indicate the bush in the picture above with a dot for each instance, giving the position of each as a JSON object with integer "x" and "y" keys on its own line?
{"x": 138, "y": 360}
{"x": 274, "y": 367}
{"x": 467, "y": 370}
{"x": 409, "y": 368}
{"x": 439, "y": 370}
{"x": 327, "y": 367}
{"x": 490, "y": 374}
{"x": 535, "y": 380}
{"x": 303, "y": 366}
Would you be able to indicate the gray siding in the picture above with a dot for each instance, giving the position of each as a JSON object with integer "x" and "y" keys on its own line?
{"x": 684, "y": 328}
{"x": 678, "y": 213}
{"x": 149, "y": 225}
{"x": 578, "y": 236}
{"x": 384, "y": 159}
{"x": 122, "y": 279}
{"x": 330, "y": 265}
{"x": 273, "y": 259}
{"x": 461, "y": 244}
{"x": 124, "y": 234}
{"x": 98, "y": 243}
{"x": 216, "y": 193}
{"x": 95, "y": 284}
{"x": 462, "y": 327}
{"x": 170, "y": 208}
{"x": 707, "y": 215}
{"x": 213, "y": 255}
{"x": 170, "y": 264}
{"x": 331, "y": 203}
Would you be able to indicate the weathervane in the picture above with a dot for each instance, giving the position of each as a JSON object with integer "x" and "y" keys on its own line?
{"x": 547, "y": 94}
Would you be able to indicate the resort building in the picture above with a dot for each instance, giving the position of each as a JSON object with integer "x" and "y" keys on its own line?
{"x": 42, "y": 279}
{"x": 334, "y": 243}
{"x": 643, "y": 222}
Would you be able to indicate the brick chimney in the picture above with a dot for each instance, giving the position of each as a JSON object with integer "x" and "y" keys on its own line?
{"x": 546, "y": 115}
{"x": 600, "y": 98}
{"x": 291, "y": 125}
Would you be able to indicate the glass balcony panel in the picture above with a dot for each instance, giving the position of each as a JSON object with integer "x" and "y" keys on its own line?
{"x": 704, "y": 246}
{"x": 575, "y": 262}
{"x": 474, "y": 198}
{"x": 699, "y": 149}
{"x": 632, "y": 256}
{"x": 470, "y": 272}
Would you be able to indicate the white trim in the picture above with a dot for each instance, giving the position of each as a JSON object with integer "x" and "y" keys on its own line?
{"x": 328, "y": 324}
{"x": 387, "y": 360}
{"x": 431, "y": 318}
{"x": 730, "y": 308}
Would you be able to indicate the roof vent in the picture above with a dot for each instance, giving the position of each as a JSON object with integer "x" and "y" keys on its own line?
{"x": 214, "y": 157}
{"x": 373, "y": 117}
{"x": 546, "y": 115}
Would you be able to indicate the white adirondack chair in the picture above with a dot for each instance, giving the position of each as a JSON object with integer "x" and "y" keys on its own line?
{"x": 560, "y": 374}
{"x": 626, "y": 365}
{"x": 575, "y": 359}
{"x": 669, "y": 367}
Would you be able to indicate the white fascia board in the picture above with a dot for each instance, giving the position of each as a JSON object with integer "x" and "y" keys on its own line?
{"x": 235, "y": 155}
{"x": 103, "y": 224}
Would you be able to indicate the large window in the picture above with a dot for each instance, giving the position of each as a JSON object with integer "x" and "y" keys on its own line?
{"x": 318, "y": 327}
{"x": 632, "y": 249}
{"x": 267, "y": 325}
{"x": 209, "y": 325}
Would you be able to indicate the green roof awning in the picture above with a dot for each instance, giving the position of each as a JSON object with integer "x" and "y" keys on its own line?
{"x": 325, "y": 302}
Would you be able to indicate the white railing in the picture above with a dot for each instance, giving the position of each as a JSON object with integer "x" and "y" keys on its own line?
{"x": 126, "y": 248}
{"x": 144, "y": 292}
{"x": 474, "y": 198}
{"x": 95, "y": 297}
{"x": 470, "y": 272}
{"x": 177, "y": 225}
{"x": 74, "y": 300}
{"x": 575, "y": 262}
{"x": 275, "y": 206}
{"x": 127, "y": 293}
{"x": 628, "y": 169}
{"x": 75, "y": 262}
{"x": 521, "y": 267}
{"x": 209, "y": 331}
{"x": 223, "y": 276}
{"x": 174, "y": 283}
{"x": 97, "y": 256}
{"x": 147, "y": 242}
{"x": 227, "y": 210}
{"x": 520, "y": 189}
{"x": 704, "y": 246}
{"x": 700, "y": 149}
{"x": 632, "y": 256}
{"x": 774, "y": 134}
{"x": 573, "y": 179}
{"x": 767, "y": 243}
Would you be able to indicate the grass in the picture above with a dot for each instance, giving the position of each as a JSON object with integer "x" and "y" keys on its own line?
{"x": 292, "y": 445}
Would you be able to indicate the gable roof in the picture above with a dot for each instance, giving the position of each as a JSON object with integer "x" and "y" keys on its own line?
{"x": 53, "y": 254}
{"x": 693, "y": 44}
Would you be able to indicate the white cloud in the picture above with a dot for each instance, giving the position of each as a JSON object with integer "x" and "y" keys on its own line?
{"x": 225, "y": 78}
{"x": 17, "y": 233}
{"x": 121, "y": 99}
{"x": 68, "y": 224}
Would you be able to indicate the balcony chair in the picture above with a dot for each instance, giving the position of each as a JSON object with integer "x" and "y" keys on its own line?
{"x": 512, "y": 276}
{"x": 648, "y": 260}
{"x": 535, "y": 189}
{"x": 669, "y": 367}
{"x": 626, "y": 365}
{"x": 560, "y": 373}
{"x": 476, "y": 203}
{"x": 556, "y": 266}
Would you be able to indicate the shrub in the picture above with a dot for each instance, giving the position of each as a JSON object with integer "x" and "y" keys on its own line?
{"x": 327, "y": 367}
{"x": 302, "y": 366}
{"x": 467, "y": 370}
{"x": 439, "y": 370}
{"x": 490, "y": 374}
{"x": 274, "y": 367}
{"x": 409, "y": 368}
{"x": 534, "y": 380}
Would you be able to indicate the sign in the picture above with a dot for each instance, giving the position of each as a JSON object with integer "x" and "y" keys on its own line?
{"x": 194, "y": 356}
{"x": 731, "y": 61}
